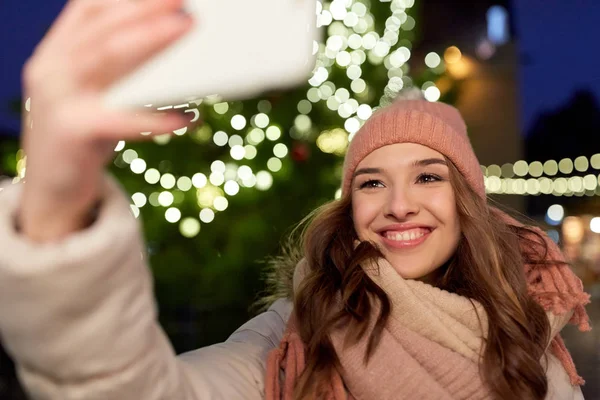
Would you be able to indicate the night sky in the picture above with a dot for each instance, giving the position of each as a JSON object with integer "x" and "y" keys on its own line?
{"x": 558, "y": 44}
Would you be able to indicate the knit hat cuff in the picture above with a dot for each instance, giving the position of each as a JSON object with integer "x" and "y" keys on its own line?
{"x": 414, "y": 126}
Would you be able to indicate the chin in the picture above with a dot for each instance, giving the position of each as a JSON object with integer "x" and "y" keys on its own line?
{"x": 422, "y": 272}
{"x": 411, "y": 274}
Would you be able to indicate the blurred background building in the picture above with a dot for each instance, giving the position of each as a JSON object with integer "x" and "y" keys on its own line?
{"x": 524, "y": 74}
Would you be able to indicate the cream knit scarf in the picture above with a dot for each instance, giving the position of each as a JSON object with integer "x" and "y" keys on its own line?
{"x": 429, "y": 348}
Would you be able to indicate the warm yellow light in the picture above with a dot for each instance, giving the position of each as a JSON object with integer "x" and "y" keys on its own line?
{"x": 189, "y": 227}
{"x": 244, "y": 172}
{"x": 216, "y": 178}
{"x": 432, "y": 93}
{"x": 207, "y": 195}
{"x": 264, "y": 180}
{"x": 172, "y": 215}
{"x": 573, "y": 230}
{"x": 231, "y": 188}
{"x": 237, "y": 152}
{"x": 221, "y": 108}
{"x": 595, "y": 161}
{"x": 238, "y": 122}
{"x": 565, "y": 166}
{"x": 590, "y": 182}
{"x": 461, "y": 68}
{"x": 452, "y": 55}
{"x": 561, "y": 186}
{"x": 274, "y": 164}
{"x": 138, "y": 166}
{"x": 280, "y": 150}
{"x": 432, "y": 60}
{"x": 199, "y": 180}
{"x": 508, "y": 170}
{"x": 251, "y": 152}
{"x": 444, "y": 84}
{"x": 134, "y": 210}
{"x": 494, "y": 185}
{"x": 273, "y": 133}
{"x": 129, "y": 155}
{"x": 550, "y": 167}
{"x": 207, "y": 215}
{"x": 262, "y": 120}
{"x": 184, "y": 183}
{"x": 255, "y": 136}
{"x": 521, "y": 168}
{"x": 581, "y": 164}
{"x": 120, "y": 146}
{"x": 220, "y": 138}
{"x": 167, "y": 181}
{"x": 334, "y": 141}
{"x": 165, "y": 199}
{"x": 546, "y": 185}
{"x": 494, "y": 170}
{"x": 139, "y": 199}
{"x": 595, "y": 225}
{"x": 220, "y": 203}
{"x": 536, "y": 169}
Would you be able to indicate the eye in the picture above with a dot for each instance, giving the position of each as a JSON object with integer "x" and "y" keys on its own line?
{"x": 428, "y": 178}
{"x": 371, "y": 184}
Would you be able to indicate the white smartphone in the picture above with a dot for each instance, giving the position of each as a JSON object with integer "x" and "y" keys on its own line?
{"x": 237, "y": 49}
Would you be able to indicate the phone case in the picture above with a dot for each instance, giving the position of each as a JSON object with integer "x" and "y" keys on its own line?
{"x": 237, "y": 49}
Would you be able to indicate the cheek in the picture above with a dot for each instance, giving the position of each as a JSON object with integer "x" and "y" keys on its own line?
{"x": 443, "y": 205}
{"x": 364, "y": 211}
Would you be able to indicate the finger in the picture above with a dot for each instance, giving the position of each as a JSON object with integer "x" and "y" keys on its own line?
{"x": 120, "y": 125}
{"x": 126, "y": 14}
{"x": 121, "y": 53}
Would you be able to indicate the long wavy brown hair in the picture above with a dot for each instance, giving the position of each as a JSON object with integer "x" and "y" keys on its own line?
{"x": 488, "y": 267}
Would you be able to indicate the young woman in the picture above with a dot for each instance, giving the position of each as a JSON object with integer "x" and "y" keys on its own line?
{"x": 413, "y": 286}
{"x": 410, "y": 287}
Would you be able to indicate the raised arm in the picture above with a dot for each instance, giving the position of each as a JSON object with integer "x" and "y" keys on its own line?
{"x": 79, "y": 318}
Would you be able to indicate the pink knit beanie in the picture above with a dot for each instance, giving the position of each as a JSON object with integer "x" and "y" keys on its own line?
{"x": 435, "y": 125}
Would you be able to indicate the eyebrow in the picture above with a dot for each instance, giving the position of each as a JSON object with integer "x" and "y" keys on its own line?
{"x": 429, "y": 161}
{"x": 417, "y": 163}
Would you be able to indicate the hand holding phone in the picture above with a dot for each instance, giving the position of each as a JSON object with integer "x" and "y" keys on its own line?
{"x": 69, "y": 134}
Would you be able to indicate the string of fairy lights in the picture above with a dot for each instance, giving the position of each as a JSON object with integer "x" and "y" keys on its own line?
{"x": 536, "y": 178}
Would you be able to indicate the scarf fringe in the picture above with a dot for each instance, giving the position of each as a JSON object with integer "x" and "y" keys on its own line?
{"x": 559, "y": 350}
{"x": 557, "y": 289}
{"x": 290, "y": 358}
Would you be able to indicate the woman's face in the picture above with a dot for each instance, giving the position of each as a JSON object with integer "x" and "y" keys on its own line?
{"x": 402, "y": 200}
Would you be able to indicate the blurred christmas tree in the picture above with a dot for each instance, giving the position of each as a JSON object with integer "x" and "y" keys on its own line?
{"x": 215, "y": 201}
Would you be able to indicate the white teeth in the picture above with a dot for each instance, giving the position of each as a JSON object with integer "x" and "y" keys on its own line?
{"x": 406, "y": 235}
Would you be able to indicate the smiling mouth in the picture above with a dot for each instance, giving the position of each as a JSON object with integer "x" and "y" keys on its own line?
{"x": 405, "y": 239}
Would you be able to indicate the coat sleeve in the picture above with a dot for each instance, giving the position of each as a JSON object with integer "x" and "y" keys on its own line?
{"x": 80, "y": 319}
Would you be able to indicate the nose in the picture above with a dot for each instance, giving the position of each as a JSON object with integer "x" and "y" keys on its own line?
{"x": 401, "y": 204}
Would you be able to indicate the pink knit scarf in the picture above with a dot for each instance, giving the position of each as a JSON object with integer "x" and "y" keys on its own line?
{"x": 431, "y": 346}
